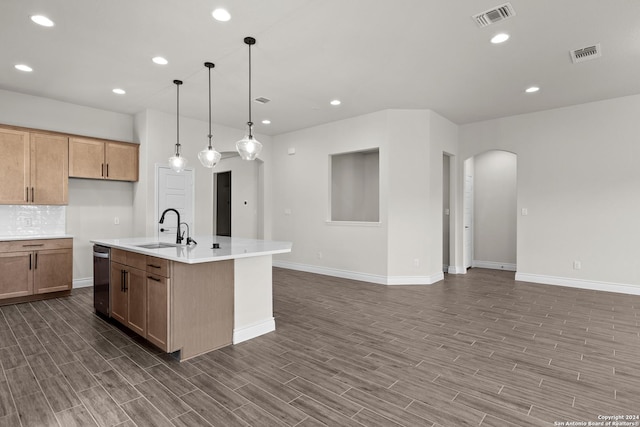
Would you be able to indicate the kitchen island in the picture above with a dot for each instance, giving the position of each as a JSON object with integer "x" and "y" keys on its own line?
{"x": 197, "y": 298}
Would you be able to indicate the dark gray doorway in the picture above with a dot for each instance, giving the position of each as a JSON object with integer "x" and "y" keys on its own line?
{"x": 223, "y": 203}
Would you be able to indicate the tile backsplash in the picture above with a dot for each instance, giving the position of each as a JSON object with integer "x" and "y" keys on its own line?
{"x": 36, "y": 220}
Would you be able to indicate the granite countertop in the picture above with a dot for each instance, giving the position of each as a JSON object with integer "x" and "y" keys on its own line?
{"x": 230, "y": 248}
{"x": 35, "y": 237}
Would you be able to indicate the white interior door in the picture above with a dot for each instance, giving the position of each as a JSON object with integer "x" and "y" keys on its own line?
{"x": 468, "y": 219}
{"x": 174, "y": 190}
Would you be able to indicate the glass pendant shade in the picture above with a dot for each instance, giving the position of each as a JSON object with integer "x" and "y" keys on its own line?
{"x": 209, "y": 157}
{"x": 248, "y": 147}
{"x": 177, "y": 162}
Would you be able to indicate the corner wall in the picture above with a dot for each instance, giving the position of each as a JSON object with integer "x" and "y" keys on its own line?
{"x": 579, "y": 179}
{"x": 405, "y": 247}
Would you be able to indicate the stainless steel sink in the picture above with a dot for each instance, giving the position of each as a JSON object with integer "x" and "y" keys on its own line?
{"x": 157, "y": 245}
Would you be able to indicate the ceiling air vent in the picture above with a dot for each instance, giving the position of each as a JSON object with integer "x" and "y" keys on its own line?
{"x": 586, "y": 53}
{"x": 262, "y": 100}
{"x": 494, "y": 15}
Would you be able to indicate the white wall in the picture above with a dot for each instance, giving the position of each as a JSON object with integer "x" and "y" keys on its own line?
{"x": 157, "y": 133}
{"x": 494, "y": 210}
{"x": 301, "y": 199}
{"x": 93, "y": 207}
{"x": 93, "y": 204}
{"x": 578, "y": 176}
{"x": 47, "y": 114}
{"x": 443, "y": 138}
{"x": 244, "y": 195}
{"x": 355, "y": 186}
{"x": 406, "y": 246}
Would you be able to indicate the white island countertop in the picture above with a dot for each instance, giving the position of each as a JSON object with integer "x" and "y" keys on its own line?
{"x": 230, "y": 248}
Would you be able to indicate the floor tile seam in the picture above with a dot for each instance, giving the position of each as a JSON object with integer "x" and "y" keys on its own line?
{"x": 112, "y": 399}
{"x": 373, "y": 409}
{"x": 324, "y": 406}
{"x": 142, "y": 396}
{"x": 13, "y": 398}
{"x": 270, "y": 393}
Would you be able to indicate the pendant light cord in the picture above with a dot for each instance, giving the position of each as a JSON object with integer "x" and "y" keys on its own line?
{"x": 177, "y": 83}
{"x": 250, "y": 121}
{"x": 210, "y": 134}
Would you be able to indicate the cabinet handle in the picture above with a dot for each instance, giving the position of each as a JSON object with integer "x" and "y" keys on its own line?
{"x": 153, "y": 278}
{"x": 126, "y": 279}
{"x": 27, "y": 190}
{"x": 122, "y": 280}
{"x": 33, "y": 245}
{"x": 36, "y": 267}
{"x": 153, "y": 266}
{"x": 107, "y": 170}
{"x": 102, "y": 170}
{"x": 29, "y": 261}
{"x": 33, "y": 199}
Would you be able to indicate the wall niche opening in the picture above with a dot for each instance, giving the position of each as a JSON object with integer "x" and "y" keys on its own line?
{"x": 355, "y": 186}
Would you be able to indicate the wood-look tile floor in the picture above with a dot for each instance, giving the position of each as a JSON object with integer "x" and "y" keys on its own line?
{"x": 477, "y": 349}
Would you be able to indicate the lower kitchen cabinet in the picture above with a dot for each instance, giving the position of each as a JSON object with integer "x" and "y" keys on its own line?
{"x": 129, "y": 297}
{"x": 52, "y": 270}
{"x": 34, "y": 268}
{"x": 157, "y": 310}
{"x": 16, "y": 279}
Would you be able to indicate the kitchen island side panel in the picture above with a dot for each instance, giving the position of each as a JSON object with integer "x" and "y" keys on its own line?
{"x": 253, "y": 298}
{"x": 201, "y": 307}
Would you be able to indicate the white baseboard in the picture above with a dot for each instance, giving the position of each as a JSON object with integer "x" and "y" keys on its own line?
{"x": 363, "y": 277}
{"x": 254, "y": 330}
{"x": 82, "y": 283}
{"x": 453, "y": 269}
{"x": 494, "y": 265}
{"x": 621, "y": 288}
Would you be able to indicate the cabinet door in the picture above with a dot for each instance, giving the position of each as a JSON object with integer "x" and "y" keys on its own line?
{"x": 136, "y": 288}
{"x": 122, "y": 161}
{"x": 49, "y": 169}
{"x": 14, "y": 167}
{"x": 157, "y": 310}
{"x": 52, "y": 270}
{"x": 86, "y": 158}
{"x": 118, "y": 295}
{"x": 16, "y": 278}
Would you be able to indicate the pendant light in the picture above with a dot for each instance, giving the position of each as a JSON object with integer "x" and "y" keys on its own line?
{"x": 249, "y": 147}
{"x": 209, "y": 157}
{"x": 177, "y": 162}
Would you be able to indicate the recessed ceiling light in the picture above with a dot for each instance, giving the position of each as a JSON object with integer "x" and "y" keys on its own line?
{"x": 221, "y": 15}
{"x": 500, "y": 38}
{"x": 335, "y": 102}
{"x": 23, "y": 67}
{"x": 159, "y": 60}
{"x": 119, "y": 91}
{"x": 532, "y": 89}
{"x": 266, "y": 122}
{"x": 42, "y": 20}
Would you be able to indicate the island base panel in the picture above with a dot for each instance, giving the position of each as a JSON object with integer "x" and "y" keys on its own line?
{"x": 201, "y": 307}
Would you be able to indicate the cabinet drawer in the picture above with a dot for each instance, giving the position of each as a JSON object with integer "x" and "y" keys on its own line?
{"x": 131, "y": 259}
{"x": 119, "y": 256}
{"x": 35, "y": 245}
{"x": 158, "y": 266}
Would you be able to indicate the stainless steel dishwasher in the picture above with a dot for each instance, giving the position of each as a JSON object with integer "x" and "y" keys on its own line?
{"x": 101, "y": 279}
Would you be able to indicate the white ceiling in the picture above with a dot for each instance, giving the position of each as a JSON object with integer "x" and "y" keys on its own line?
{"x": 372, "y": 55}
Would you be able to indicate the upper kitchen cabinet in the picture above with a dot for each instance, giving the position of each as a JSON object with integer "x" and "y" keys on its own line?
{"x": 33, "y": 168}
{"x": 99, "y": 159}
